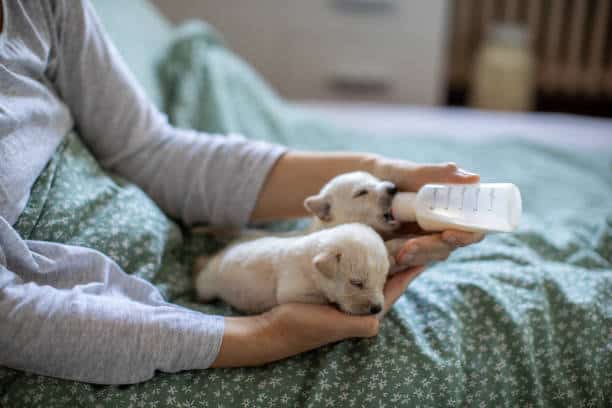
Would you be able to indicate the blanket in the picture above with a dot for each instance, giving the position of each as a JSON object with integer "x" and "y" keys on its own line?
{"x": 522, "y": 319}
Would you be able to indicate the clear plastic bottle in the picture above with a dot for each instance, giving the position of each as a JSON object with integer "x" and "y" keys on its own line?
{"x": 487, "y": 207}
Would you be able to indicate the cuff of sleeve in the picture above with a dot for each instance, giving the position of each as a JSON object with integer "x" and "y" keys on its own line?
{"x": 199, "y": 342}
{"x": 214, "y": 331}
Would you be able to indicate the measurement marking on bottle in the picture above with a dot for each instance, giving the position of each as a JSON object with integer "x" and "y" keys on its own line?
{"x": 462, "y": 197}
{"x": 491, "y": 199}
{"x": 476, "y": 202}
{"x": 448, "y": 197}
{"x": 435, "y": 198}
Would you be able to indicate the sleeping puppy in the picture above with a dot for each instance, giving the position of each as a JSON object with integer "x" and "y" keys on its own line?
{"x": 345, "y": 265}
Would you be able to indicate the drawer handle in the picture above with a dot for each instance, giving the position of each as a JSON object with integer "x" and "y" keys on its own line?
{"x": 359, "y": 85}
{"x": 364, "y": 6}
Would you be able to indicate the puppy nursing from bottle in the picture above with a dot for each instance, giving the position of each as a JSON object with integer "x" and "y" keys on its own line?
{"x": 491, "y": 207}
{"x": 341, "y": 258}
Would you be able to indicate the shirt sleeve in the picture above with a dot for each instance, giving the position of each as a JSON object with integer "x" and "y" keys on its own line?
{"x": 196, "y": 177}
{"x": 72, "y": 313}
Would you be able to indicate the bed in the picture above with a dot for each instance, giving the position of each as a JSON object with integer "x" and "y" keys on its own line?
{"x": 521, "y": 319}
{"x": 463, "y": 124}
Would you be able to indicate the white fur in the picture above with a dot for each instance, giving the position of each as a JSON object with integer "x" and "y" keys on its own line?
{"x": 338, "y": 203}
{"x": 353, "y": 197}
{"x": 257, "y": 275}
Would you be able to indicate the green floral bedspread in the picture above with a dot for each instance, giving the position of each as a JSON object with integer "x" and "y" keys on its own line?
{"x": 521, "y": 319}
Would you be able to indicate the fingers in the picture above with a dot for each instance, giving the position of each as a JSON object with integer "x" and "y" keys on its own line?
{"x": 442, "y": 173}
{"x": 424, "y": 249}
{"x": 435, "y": 247}
{"x": 461, "y": 238}
{"x": 341, "y": 325}
{"x": 306, "y": 326}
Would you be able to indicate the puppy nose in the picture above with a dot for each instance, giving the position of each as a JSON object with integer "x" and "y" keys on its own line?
{"x": 375, "y": 309}
{"x": 392, "y": 190}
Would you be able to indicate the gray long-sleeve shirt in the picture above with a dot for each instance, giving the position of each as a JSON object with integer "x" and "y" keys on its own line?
{"x": 71, "y": 312}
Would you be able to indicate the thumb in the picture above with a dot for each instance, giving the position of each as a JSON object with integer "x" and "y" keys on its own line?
{"x": 397, "y": 284}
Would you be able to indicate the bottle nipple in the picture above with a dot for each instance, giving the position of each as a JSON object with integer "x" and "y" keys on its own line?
{"x": 403, "y": 207}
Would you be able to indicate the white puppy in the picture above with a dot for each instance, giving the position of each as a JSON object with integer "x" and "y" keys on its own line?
{"x": 346, "y": 265}
{"x": 353, "y": 197}
{"x": 350, "y": 197}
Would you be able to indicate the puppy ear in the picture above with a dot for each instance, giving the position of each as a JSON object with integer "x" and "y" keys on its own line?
{"x": 319, "y": 206}
{"x": 327, "y": 262}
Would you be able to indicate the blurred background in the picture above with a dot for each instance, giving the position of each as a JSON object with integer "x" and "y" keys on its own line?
{"x": 512, "y": 55}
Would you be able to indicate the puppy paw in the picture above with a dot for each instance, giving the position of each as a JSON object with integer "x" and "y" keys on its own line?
{"x": 199, "y": 264}
{"x": 203, "y": 280}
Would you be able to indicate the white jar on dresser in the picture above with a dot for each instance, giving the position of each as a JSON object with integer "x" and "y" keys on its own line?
{"x": 380, "y": 50}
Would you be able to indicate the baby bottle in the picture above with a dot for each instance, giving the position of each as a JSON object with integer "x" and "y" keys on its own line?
{"x": 486, "y": 207}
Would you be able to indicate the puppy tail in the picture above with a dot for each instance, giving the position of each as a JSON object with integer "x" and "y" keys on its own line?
{"x": 203, "y": 279}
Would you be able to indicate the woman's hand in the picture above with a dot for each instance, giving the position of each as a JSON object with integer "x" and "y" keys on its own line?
{"x": 417, "y": 247}
{"x": 409, "y": 176}
{"x": 293, "y": 328}
{"x": 422, "y": 249}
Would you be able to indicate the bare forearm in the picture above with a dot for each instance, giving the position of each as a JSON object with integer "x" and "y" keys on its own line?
{"x": 257, "y": 340}
{"x": 236, "y": 350}
{"x": 285, "y": 331}
{"x": 298, "y": 175}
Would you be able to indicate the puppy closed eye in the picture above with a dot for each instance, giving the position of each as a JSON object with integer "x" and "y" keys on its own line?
{"x": 357, "y": 283}
{"x": 360, "y": 193}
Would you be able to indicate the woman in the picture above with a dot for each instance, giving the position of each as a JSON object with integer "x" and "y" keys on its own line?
{"x": 71, "y": 312}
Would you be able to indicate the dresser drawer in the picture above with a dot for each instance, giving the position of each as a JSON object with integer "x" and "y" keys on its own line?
{"x": 372, "y": 54}
{"x": 364, "y": 15}
{"x": 361, "y": 69}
